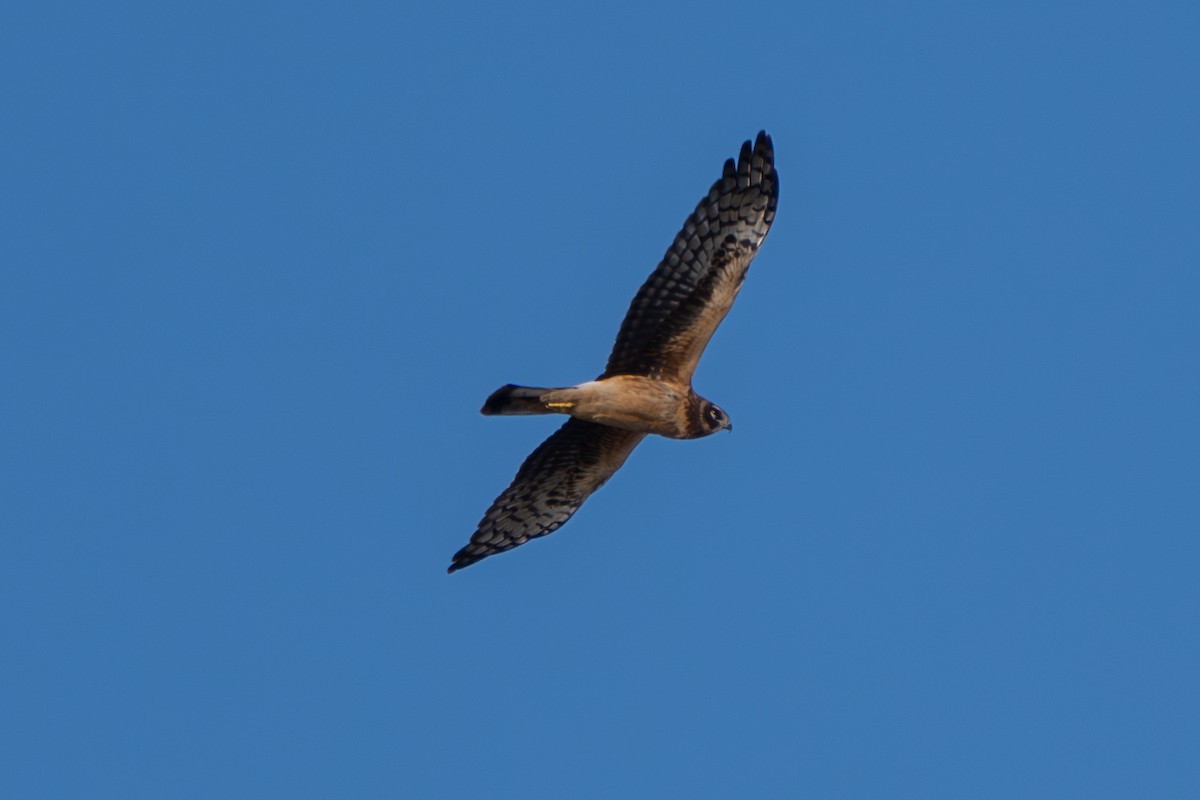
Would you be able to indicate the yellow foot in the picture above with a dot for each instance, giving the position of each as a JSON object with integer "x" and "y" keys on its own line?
{"x": 560, "y": 406}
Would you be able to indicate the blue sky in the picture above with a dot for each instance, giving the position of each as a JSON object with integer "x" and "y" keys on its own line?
{"x": 263, "y": 263}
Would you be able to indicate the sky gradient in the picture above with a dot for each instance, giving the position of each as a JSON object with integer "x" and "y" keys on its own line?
{"x": 262, "y": 264}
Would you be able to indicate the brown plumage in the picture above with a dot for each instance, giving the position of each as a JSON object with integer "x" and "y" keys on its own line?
{"x": 646, "y": 386}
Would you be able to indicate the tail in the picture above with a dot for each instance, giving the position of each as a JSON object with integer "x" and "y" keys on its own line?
{"x": 512, "y": 399}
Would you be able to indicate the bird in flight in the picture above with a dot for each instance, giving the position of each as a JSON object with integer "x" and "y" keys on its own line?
{"x": 646, "y": 386}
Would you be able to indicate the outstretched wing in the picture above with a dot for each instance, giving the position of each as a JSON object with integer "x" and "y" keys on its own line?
{"x": 674, "y": 314}
{"x": 550, "y": 486}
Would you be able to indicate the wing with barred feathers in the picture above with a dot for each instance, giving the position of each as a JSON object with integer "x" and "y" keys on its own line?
{"x": 550, "y": 486}
{"x": 674, "y": 314}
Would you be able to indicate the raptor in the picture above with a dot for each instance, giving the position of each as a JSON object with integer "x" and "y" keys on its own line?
{"x": 646, "y": 387}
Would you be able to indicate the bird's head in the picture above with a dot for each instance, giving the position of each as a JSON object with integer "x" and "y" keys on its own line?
{"x": 708, "y": 418}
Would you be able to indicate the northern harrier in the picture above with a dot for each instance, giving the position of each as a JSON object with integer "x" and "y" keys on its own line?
{"x": 647, "y": 385}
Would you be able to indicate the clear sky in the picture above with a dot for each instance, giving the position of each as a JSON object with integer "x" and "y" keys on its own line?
{"x": 262, "y": 263}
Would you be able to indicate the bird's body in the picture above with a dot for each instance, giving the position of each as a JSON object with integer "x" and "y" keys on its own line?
{"x": 646, "y": 387}
{"x": 629, "y": 402}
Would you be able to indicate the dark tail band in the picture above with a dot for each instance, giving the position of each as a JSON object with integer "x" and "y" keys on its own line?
{"x": 512, "y": 399}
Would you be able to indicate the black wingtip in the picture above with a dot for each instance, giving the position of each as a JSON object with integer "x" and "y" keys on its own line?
{"x": 463, "y": 559}
{"x": 763, "y": 146}
{"x": 757, "y": 157}
{"x": 763, "y": 159}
